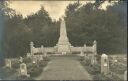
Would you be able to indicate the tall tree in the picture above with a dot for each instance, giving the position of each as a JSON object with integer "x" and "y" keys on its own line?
{"x": 87, "y": 24}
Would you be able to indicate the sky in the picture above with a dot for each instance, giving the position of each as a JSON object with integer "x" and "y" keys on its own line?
{"x": 55, "y": 8}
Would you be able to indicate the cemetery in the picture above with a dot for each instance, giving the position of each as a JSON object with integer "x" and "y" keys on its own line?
{"x": 36, "y": 64}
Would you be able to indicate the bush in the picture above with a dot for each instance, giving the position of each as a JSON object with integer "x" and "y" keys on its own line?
{"x": 101, "y": 77}
{"x": 16, "y": 65}
{"x": 6, "y": 72}
{"x": 35, "y": 71}
{"x": 81, "y": 58}
{"x": 46, "y": 59}
{"x": 119, "y": 69}
{"x": 42, "y": 63}
{"x": 27, "y": 60}
{"x": 31, "y": 65}
{"x": 24, "y": 78}
{"x": 87, "y": 62}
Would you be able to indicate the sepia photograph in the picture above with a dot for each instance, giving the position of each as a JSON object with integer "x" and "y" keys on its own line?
{"x": 63, "y": 40}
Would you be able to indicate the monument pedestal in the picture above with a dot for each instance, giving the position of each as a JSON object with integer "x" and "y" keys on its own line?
{"x": 63, "y": 48}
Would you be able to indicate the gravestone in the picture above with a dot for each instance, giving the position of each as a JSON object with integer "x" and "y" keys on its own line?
{"x": 81, "y": 53}
{"x": 42, "y": 48}
{"x": 23, "y": 69}
{"x": 104, "y": 64}
{"x": 31, "y": 48}
{"x": 8, "y": 63}
{"x": 84, "y": 47}
{"x": 34, "y": 59}
{"x": 95, "y": 47}
{"x": 125, "y": 76}
{"x": 21, "y": 59}
{"x": 39, "y": 57}
{"x": 28, "y": 55}
{"x": 92, "y": 60}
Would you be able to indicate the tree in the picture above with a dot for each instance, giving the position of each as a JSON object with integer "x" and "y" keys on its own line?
{"x": 37, "y": 27}
{"x": 87, "y": 24}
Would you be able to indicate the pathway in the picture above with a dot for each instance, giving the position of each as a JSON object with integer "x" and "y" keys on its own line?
{"x": 64, "y": 68}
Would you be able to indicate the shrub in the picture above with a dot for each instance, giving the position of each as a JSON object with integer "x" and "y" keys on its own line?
{"x": 87, "y": 62}
{"x": 35, "y": 71}
{"x": 119, "y": 69}
{"x": 81, "y": 58}
{"x": 42, "y": 63}
{"x": 6, "y": 72}
{"x": 46, "y": 59}
{"x": 24, "y": 78}
{"x": 16, "y": 65}
{"x": 27, "y": 60}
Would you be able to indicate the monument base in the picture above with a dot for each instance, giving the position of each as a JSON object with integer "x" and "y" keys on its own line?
{"x": 63, "y": 49}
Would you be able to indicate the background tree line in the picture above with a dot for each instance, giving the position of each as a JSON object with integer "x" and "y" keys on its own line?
{"x": 84, "y": 25}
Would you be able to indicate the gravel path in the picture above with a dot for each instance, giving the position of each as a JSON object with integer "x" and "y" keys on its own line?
{"x": 64, "y": 68}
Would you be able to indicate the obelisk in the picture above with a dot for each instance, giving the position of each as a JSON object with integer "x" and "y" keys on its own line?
{"x": 63, "y": 42}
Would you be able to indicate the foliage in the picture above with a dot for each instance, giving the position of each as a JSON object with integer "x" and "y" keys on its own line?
{"x": 42, "y": 63}
{"x": 84, "y": 25}
{"x": 37, "y": 27}
{"x": 35, "y": 71}
{"x": 16, "y": 65}
{"x": 24, "y": 78}
{"x": 46, "y": 58}
{"x": 27, "y": 60}
{"x": 6, "y": 72}
{"x": 118, "y": 68}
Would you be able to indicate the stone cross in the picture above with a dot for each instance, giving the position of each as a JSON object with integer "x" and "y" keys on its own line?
{"x": 23, "y": 69}
{"x": 8, "y": 63}
{"x": 104, "y": 64}
{"x": 125, "y": 76}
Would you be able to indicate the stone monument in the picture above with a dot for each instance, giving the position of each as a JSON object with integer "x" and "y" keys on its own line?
{"x": 104, "y": 64}
{"x": 23, "y": 69}
{"x": 63, "y": 44}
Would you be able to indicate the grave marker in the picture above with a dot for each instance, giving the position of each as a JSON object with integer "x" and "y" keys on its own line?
{"x": 125, "y": 76}
{"x": 21, "y": 59}
{"x": 23, "y": 69}
{"x": 8, "y": 63}
{"x": 104, "y": 64}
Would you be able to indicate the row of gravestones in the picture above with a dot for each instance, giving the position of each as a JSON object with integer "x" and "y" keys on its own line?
{"x": 104, "y": 64}
{"x": 23, "y": 66}
{"x": 36, "y": 58}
